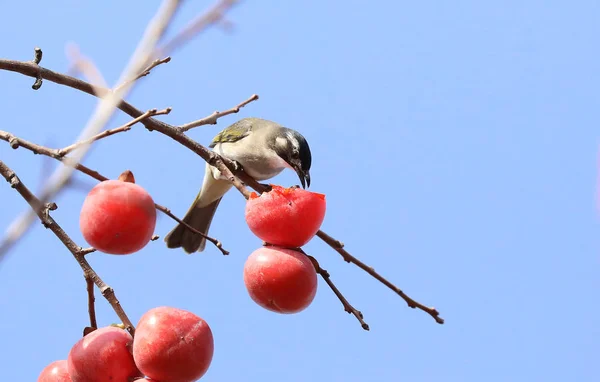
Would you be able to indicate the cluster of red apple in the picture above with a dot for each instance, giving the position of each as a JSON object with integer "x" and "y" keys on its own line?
{"x": 118, "y": 217}
{"x": 170, "y": 344}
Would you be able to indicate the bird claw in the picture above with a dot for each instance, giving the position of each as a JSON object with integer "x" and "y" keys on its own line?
{"x": 237, "y": 166}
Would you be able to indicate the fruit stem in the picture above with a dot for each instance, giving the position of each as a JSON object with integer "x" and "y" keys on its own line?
{"x": 127, "y": 176}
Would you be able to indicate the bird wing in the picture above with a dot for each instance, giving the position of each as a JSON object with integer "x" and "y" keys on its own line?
{"x": 233, "y": 133}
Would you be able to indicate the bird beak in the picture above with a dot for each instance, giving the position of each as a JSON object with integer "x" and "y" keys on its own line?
{"x": 304, "y": 176}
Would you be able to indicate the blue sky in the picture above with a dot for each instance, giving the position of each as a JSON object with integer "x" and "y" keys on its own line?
{"x": 457, "y": 144}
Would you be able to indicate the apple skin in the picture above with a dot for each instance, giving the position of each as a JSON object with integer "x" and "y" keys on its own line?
{"x": 117, "y": 217}
{"x": 102, "y": 355}
{"x": 287, "y": 217}
{"x": 280, "y": 280}
{"x": 173, "y": 345}
{"x": 57, "y": 371}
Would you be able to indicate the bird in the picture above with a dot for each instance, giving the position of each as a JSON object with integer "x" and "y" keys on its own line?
{"x": 264, "y": 149}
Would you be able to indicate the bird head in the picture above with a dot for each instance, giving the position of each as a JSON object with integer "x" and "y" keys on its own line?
{"x": 291, "y": 146}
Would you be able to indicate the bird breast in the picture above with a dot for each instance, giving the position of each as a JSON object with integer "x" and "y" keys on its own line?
{"x": 261, "y": 163}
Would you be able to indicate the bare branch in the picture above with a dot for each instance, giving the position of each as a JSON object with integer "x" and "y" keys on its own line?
{"x": 43, "y": 213}
{"x": 347, "y": 306}
{"x": 87, "y": 251}
{"x": 216, "y": 242}
{"x": 212, "y": 119}
{"x": 126, "y": 127}
{"x": 223, "y": 164}
{"x": 147, "y": 71}
{"x": 339, "y": 247}
{"x": 16, "y": 142}
{"x": 211, "y": 17}
{"x": 91, "y": 301}
{"x": 82, "y": 64}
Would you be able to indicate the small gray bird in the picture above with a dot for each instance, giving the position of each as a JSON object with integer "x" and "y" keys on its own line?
{"x": 264, "y": 149}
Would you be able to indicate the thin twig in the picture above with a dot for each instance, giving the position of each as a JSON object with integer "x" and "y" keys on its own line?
{"x": 213, "y": 16}
{"x": 106, "y": 133}
{"x": 43, "y": 213}
{"x": 347, "y": 306}
{"x": 91, "y": 301}
{"x": 339, "y": 247}
{"x": 147, "y": 71}
{"x": 212, "y": 119}
{"x": 84, "y": 65}
{"x": 87, "y": 251}
{"x": 16, "y": 142}
{"x": 216, "y": 242}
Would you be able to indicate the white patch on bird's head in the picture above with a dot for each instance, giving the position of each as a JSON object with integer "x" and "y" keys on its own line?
{"x": 281, "y": 142}
{"x": 293, "y": 140}
{"x": 288, "y": 142}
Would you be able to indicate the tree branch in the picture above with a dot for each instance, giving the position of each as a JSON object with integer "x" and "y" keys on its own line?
{"x": 43, "y": 213}
{"x": 212, "y": 119}
{"x": 147, "y": 71}
{"x": 216, "y": 242}
{"x": 107, "y": 133}
{"x": 227, "y": 167}
{"x": 347, "y": 306}
{"x": 202, "y": 22}
{"x": 84, "y": 65}
{"x": 339, "y": 247}
{"x": 223, "y": 164}
{"x": 91, "y": 302}
{"x": 16, "y": 142}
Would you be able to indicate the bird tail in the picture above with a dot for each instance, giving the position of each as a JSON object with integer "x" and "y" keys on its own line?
{"x": 197, "y": 217}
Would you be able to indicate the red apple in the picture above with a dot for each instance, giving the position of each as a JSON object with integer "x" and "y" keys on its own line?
{"x": 288, "y": 217}
{"x": 279, "y": 279}
{"x": 55, "y": 372}
{"x": 172, "y": 345}
{"x": 118, "y": 217}
{"x": 103, "y": 355}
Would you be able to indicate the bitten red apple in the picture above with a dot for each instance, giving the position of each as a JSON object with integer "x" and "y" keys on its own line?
{"x": 288, "y": 217}
{"x": 279, "y": 279}
{"x": 55, "y": 372}
{"x": 172, "y": 345}
{"x": 103, "y": 355}
{"x": 118, "y": 217}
